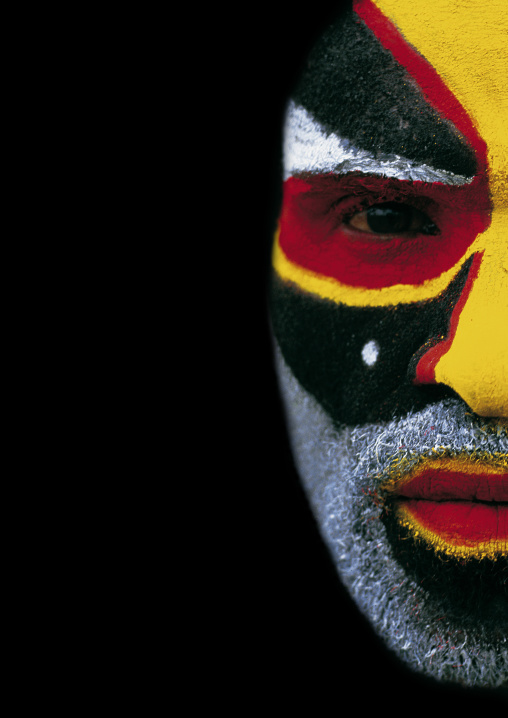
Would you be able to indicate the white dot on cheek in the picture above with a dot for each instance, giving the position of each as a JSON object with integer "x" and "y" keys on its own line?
{"x": 370, "y": 353}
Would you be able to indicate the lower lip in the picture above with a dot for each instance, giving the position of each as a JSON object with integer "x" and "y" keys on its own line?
{"x": 457, "y": 512}
{"x": 461, "y": 527}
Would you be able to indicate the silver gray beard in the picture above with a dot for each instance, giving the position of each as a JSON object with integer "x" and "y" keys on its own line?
{"x": 340, "y": 470}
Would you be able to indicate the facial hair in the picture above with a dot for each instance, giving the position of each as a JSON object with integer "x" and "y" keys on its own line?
{"x": 445, "y": 617}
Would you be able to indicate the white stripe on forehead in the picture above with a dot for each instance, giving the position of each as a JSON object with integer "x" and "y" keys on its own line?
{"x": 309, "y": 148}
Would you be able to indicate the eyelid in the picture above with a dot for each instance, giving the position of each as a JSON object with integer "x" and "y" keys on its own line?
{"x": 351, "y": 204}
{"x": 366, "y": 197}
{"x": 347, "y": 206}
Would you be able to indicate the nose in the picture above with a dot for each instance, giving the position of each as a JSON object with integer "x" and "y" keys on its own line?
{"x": 473, "y": 358}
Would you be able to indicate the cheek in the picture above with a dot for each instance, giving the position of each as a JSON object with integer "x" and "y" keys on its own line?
{"x": 312, "y": 237}
{"x": 358, "y": 362}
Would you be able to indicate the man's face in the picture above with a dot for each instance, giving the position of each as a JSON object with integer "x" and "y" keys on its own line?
{"x": 389, "y": 307}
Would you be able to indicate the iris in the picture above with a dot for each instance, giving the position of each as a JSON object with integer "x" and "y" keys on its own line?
{"x": 389, "y": 218}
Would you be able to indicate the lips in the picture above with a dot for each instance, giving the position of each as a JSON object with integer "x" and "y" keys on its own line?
{"x": 457, "y": 505}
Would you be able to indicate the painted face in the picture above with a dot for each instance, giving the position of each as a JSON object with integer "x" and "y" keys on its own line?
{"x": 389, "y": 307}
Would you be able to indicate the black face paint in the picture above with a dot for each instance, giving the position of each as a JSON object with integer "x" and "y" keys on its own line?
{"x": 349, "y": 68}
{"x": 322, "y": 342}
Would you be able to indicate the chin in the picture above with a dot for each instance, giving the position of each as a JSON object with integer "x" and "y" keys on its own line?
{"x": 436, "y": 595}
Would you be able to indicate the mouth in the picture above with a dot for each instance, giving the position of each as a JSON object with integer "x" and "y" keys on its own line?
{"x": 457, "y": 505}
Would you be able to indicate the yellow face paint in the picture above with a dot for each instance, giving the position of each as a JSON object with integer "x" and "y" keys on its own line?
{"x": 475, "y": 366}
{"x": 466, "y": 41}
{"x": 467, "y": 44}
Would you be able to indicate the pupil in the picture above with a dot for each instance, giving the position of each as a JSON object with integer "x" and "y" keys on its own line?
{"x": 389, "y": 217}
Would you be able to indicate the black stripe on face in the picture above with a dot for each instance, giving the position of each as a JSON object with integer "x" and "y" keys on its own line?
{"x": 322, "y": 342}
{"x": 354, "y": 87}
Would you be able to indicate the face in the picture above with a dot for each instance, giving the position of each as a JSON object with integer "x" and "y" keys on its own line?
{"x": 389, "y": 309}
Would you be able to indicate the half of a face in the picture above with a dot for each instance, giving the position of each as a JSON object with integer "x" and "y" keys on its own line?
{"x": 389, "y": 309}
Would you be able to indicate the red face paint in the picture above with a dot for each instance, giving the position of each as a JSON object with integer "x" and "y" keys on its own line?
{"x": 425, "y": 369}
{"x": 458, "y": 508}
{"x": 431, "y": 84}
{"x": 315, "y": 234}
{"x": 461, "y": 523}
{"x": 445, "y": 484}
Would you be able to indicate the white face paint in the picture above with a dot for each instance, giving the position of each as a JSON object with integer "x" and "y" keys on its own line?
{"x": 370, "y": 353}
{"x": 309, "y": 148}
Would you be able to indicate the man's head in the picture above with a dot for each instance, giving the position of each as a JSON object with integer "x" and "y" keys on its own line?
{"x": 389, "y": 307}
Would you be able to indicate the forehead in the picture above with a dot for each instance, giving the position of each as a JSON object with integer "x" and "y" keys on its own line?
{"x": 426, "y": 81}
{"x": 355, "y": 88}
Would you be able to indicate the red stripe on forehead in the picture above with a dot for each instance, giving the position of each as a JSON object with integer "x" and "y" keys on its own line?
{"x": 430, "y": 82}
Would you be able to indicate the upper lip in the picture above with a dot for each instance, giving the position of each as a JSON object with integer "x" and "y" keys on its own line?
{"x": 452, "y": 479}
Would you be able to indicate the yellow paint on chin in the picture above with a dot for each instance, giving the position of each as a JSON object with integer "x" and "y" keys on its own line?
{"x": 466, "y": 41}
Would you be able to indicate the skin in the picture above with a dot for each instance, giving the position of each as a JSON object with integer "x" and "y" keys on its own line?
{"x": 391, "y": 339}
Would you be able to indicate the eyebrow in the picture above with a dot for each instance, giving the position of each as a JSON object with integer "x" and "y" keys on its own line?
{"x": 309, "y": 148}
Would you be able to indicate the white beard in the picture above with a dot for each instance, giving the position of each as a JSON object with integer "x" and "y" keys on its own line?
{"x": 340, "y": 471}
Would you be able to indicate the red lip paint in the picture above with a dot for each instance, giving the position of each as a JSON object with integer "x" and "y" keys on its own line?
{"x": 462, "y": 511}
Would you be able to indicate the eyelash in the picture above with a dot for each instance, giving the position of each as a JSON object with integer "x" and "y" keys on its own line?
{"x": 349, "y": 206}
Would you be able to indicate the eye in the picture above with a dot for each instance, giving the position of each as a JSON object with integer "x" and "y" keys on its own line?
{"x": 392, "y": 218}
